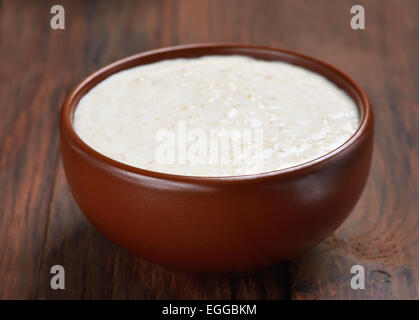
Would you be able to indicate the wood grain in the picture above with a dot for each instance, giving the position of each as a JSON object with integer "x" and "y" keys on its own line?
{"x": 382, "y": 233}
{"x": 40, "y": 224}
{"x": 28, "y": 148}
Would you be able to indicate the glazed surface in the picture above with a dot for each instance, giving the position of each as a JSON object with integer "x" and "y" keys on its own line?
{"x": 273, "y": 115}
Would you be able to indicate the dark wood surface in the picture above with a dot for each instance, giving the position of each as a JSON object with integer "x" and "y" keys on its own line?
{"x": 40, "y": 224}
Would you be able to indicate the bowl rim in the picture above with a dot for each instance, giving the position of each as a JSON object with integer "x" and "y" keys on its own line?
{"x": 68, "y": 132}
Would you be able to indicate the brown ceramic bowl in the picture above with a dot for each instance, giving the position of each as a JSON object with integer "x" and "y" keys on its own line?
{"x": 213, "y": 225}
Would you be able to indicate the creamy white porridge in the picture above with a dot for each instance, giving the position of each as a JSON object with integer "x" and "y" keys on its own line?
{"x": 175, "y": 116}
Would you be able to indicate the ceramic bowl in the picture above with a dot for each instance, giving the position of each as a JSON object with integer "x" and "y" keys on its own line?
{"x": 218, "y": 225}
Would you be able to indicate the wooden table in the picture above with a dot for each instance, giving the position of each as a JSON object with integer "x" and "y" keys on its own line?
{"x": 40, "y": 224}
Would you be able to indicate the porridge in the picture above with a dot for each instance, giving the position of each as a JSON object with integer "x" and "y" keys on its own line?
{"x": 215, "y": 116}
